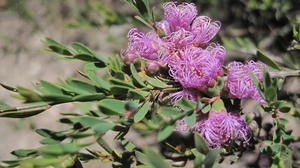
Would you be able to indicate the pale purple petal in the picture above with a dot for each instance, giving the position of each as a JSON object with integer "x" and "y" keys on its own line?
{"x": 146, "y": 45}
{"x": 180, "y": 16}
{"x": 221, "y": 127}
{"x": 164, "y": 26}
{"x": 188, "y": 93}
{"x": 239, "y": 83}
{"x": 195, "y": 68}
{"x": 204, "y": 29}
{"x": 181, "y": 126}
{"x": 129, "y": 56}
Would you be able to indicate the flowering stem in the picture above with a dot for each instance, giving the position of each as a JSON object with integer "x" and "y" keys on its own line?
{"x": 284, "y": 74}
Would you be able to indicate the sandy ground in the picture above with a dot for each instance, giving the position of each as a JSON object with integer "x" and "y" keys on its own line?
{"x": 22, "y": 63}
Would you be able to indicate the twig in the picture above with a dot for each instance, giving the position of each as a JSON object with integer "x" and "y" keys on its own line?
{"x": 284, "y": 74}
{"x": 47, "y": 106}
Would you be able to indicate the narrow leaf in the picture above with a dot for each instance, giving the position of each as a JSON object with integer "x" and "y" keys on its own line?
{"x": 267, "y": 60}
{"x": 201, "y": 144}
{"x": 166, "y": 132}
{"x": 142, "y": 112}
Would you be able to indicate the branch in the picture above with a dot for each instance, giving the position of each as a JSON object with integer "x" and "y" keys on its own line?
{"x": 47, "y": 106}
{"x": 284, "y": 74}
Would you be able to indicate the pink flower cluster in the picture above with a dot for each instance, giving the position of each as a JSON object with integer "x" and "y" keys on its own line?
{"x": 182, "y": 43}
{"x": 184, "y": 48}
{"x": 239, "y": 83}
{"x": 220, "y": 128}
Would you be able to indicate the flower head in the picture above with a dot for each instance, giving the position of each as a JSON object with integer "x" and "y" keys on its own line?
{"x": 204, "y": 29}
{"x": 188, "y": 93}
{"x": 222, "y": 127}
{"x": 195, "y": 67}
{"x": 143, "y": 45}
{"x": 239, "y": 82}
{"x": 181, "y": 126}
{"x": 180, "y": 16}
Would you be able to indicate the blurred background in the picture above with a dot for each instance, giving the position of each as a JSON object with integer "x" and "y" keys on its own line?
{"x": 103, "y": 25}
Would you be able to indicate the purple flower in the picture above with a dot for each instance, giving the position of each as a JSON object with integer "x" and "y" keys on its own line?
{"x": 181, "y": 126}
{"x": 181, "y": 49}
{"x": 184, "y": 17}
{"x": 176, "y": 41}
{"x": 129, "y": 56}
{"x": 239, "y": 83}
{"x": 197, "y": 68}
{"x": 152, "y": 66}
{"x": 188, "y": 93}
{"x": 204, "y": 29}
{"x": 222, "y": 127}
{"x": 180, "y": 16}
{"x": 143, "y": 45}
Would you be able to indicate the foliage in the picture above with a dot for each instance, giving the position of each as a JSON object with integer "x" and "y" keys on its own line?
{"x": 127, "y": 97}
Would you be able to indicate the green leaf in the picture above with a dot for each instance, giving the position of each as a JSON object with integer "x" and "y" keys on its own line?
{"x": 271, "y": 94}
{"x": 155, "y": 159}
{"x": 29, "y": 95}
{"x": 256, "y": 83}
{"x": 267, "y": 82}
{"x": 144, "y": 166}
{"x": 130, "y": 147}
{"x": 97, "y": 80}
{"x": 112, "y": 106}
{"x": 165, "y": 132}
{"x": 186, "y": 104}
{"x": 84, "y": 53}
{"x": 169, "y": 112}
{"x": 40, "y": 162}
{"x": 23, "y": 152}
{"x": 122, "y": 83}
{"x": 85, "y": 57}
{"x": 211, "y": 158}
{"x": 78, "y": 135}
{"x": 142, "y": 112}
{"x": 23, "y": 113}
{"x": 135, "y": 94}
{"x": 155, "y": 82}
{"x": 81, "y": 49}
{"x": 91, "y": 97}
{"x": 59, "y": 136}
{"x": 218, "y": 106}
{"x": 57, "y": 47}
{"x": 48, "y": 141}
{"x": 98, "y": 125}
{"x": 57, "y": 98}
{"x": 199, "y": 158}
{"x": 132, "y": 106}
{"x": 206, "y": 108}
{"x": 10, "y": 88}
{"x": 49, "y": 88}
{"x": 201, "y": 144}
{"x": 191, "y": 119}
{"x": 142, "y": 20}
{"x": 80, "y": 87}
{"x": 60, "y": 149}
{"x": 265, "y": 59}
{"x": 119, "y": 90}
{"x": 135, "y": 75}
{"x": 141, "y": 157}
{"x": 104, "y": 145}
